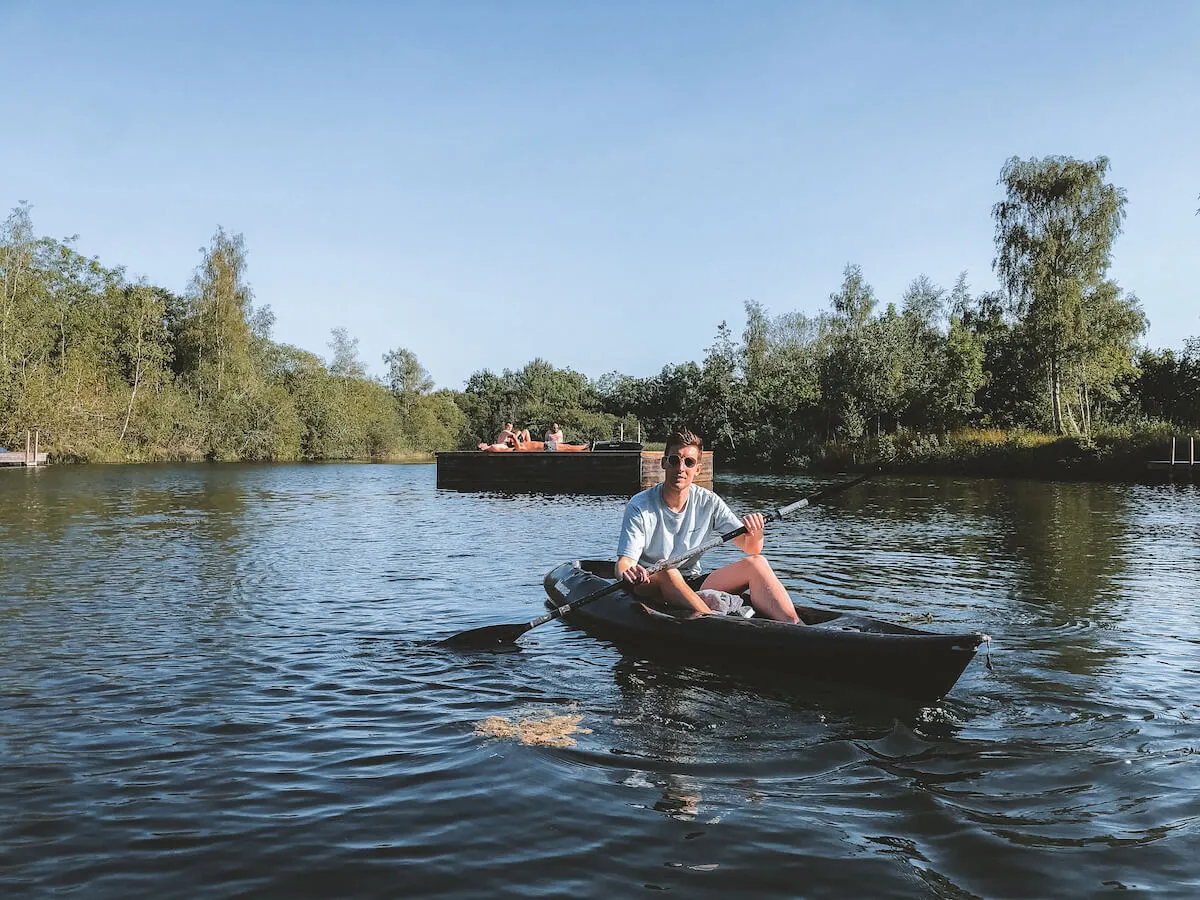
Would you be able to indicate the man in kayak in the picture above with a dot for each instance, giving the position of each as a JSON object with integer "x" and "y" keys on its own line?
{"x": 676, "y": 516}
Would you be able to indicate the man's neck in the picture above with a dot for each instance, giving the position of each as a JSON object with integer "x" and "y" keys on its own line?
{"x": 674, "y": 498}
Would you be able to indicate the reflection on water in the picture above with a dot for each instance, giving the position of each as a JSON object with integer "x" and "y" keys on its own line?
{"x": 223, "y": 680}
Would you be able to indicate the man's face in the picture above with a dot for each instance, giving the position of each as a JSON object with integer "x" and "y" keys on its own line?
{"x": 682, "y": 465}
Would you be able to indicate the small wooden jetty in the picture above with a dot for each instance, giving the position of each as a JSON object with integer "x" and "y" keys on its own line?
{"x": 30, "y": 456}
{"x": 622, "y": 472}
{"x": 1180, "y": 462}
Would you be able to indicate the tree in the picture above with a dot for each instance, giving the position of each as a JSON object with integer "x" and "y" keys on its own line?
{"x": 406, "y": 377}
{"x": 854, "y": 302}
{"x": 755, "y": 341}
{"x": 216, "y": 334}
{"x": 1103, "y": 351}
{"x": 1009, "y": 393}
{"x": 921, "y": 351}
{"x": 780, "y": 390}
{"x": 409, "y": 383}
{"x": 142, "y": 340}
{"x": 852, "y": 374}
{"x": 345, "y": 362}
{"x": 1054, "y": 234}
{"x": 16, "y": 260}
{"x": 535, "y": 396}
{"x": 721, "y": 415}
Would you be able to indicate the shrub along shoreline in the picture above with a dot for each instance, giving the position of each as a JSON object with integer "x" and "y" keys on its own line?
{"x": 1118, "y": 455}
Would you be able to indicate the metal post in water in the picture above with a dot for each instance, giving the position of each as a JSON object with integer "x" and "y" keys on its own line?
{"x": 37, "y": 437}
{"x": 27, "y": 446}
{"x": 1172, "y": 451}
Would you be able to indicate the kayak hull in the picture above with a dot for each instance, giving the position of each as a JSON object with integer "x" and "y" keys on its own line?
{"x": 832, "y": 646}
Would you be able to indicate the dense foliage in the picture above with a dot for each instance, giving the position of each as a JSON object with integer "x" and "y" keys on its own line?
{"x": 114, "y": 369}
{"x": 110, "y": 369}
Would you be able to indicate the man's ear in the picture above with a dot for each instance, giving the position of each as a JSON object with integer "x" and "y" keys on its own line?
{"x": 663, "y": 462}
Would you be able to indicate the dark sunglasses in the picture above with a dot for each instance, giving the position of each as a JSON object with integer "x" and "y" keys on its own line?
{"x": 689, "y": 462}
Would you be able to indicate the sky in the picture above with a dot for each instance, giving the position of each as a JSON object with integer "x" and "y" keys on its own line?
{"x": 598, "y": 184}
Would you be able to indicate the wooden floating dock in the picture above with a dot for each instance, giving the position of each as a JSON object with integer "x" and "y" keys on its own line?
{"x": 1178, "y": 463}
{"x": 623, "y": 472}
{"x": 31, "y": 456}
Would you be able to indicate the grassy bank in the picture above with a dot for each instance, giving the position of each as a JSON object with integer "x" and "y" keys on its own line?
{"x": 116, "y": 457}
{"x": 1114, "y": 454}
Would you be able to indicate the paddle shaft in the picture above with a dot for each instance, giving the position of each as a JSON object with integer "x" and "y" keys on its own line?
{"x": 675, "y": 562}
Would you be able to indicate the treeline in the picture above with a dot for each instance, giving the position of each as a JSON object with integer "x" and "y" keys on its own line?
{"x": 117, "y": 370}
{"x": 120, "y": 370}
{"x": 1055, "y": 353}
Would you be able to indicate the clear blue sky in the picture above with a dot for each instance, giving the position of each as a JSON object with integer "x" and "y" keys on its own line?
{"x": 596, "y": 183}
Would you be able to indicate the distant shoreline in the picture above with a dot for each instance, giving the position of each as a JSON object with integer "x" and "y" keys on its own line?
{"x": 1000, "y": 455}
{"x": 1065, "y": 458}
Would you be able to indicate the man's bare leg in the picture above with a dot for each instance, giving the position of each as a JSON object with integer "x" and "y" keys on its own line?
{"x": 767, "y": 595}
{"x": 672, "y": 588}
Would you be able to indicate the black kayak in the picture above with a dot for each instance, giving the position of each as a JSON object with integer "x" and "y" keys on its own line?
{"x": 829, "y": 646}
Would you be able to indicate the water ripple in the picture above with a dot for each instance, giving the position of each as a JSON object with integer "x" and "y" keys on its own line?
{"x": 223, "y": 680}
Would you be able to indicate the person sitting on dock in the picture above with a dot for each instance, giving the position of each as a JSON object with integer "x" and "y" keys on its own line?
{"x": 506, "y": 436}
{"x": 553, "y": 437}
{"x": 676, "y": 516}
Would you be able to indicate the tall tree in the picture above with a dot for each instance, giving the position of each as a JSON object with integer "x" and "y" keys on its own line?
{"x": 850, "y": 375}
{"x": 142, "y": 340}
{"x": 720, "y": 415}
{"x": 406, "y": 377}
{"x": 345, "y": 362}
{"x": 16, "y": 260}
{"x": 218, "y": 332}
{"x": 1054, "y": 234}
{"x": 854, "y": 302}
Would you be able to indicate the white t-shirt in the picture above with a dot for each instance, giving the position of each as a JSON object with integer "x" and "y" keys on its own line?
{"x": 652, "y": 531}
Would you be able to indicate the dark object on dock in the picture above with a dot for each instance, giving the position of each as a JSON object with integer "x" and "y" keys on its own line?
{"x": 622, "y": 472}
{"x": 30, "y": 456}
{"x": 1177, "y": 464}
{"x": 831, "y": 646}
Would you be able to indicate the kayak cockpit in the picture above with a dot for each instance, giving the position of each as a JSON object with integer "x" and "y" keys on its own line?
{"x": 831, "y": 619}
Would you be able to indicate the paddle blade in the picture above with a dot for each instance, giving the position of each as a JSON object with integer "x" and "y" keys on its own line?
{"x": 484, "y": 638}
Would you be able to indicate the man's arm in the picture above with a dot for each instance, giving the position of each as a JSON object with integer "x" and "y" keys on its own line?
{"x": 629, "y": 570}
{"x": 751, "y": 543}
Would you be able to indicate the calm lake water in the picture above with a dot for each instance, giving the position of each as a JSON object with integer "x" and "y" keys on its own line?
{"x": 221, "y": 681}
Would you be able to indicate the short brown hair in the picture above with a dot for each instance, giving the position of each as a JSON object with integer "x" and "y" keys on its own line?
{"x": 683, "y": 437}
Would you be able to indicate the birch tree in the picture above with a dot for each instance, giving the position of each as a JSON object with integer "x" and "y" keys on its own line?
{"x": 218, "y": 332}
{"x": 1054, "y": 234}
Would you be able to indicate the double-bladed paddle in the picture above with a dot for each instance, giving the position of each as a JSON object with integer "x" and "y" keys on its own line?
{"x": 496, "y": 635}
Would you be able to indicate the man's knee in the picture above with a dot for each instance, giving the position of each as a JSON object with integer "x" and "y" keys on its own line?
{"x": 668, "y": 576}
{"x": 759, "y": 562}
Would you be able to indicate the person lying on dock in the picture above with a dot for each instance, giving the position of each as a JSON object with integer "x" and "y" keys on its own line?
{"x": 675, "y": 516}
{"x": 534, "y": 447}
